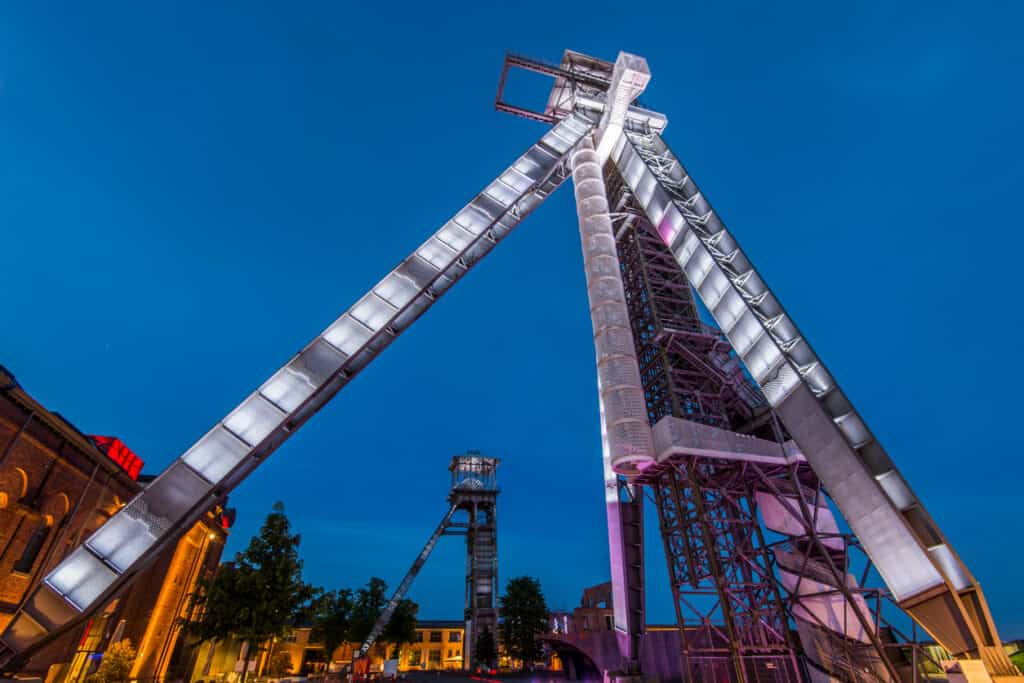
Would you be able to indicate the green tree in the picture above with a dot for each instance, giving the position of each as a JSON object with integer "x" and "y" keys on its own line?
{"x": 401, "y": 628}
{"x": 116, "y": 665}
{"x": 485, "y": 650}
{"x": 260, "y": 594}
{"x": 332, "y": 619}
{"x": 215, "y": 607}
{"x": 368, "y": 606}
{"x": 524, "y": 616}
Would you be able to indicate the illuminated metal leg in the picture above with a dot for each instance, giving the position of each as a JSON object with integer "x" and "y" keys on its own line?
{"x": 625, "y": 434}
{"x": 913, "y": 557}
{"x": 94, "y": 572}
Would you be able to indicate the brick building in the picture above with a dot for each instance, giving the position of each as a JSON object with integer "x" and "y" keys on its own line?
{"x": 57, "y": 486}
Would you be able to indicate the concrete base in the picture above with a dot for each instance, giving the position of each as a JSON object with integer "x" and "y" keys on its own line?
{"x": 974, "y": 671}
{"x": 966, "y": 671}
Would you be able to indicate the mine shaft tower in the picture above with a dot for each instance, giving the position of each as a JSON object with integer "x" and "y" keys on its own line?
{"x": 472, "y": 512}
{"x": 747, "y": 443}
{"x": 475, "y": 491}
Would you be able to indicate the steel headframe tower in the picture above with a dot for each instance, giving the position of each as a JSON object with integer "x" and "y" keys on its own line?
{"x": 474, "y": 491}
{"x": 727, "y": 457}
{"x": 706, "y": 456}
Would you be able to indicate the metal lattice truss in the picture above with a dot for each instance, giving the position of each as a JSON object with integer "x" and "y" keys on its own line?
{"x": 905, "y": 545}
{"x": 704, "y": 493}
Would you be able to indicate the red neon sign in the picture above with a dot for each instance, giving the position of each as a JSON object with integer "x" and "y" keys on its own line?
{"x": 115, "y": 449}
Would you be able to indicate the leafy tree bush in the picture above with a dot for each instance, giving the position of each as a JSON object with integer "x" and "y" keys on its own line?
{"x": 257, "y": 596}
{"x": 369, "y": 604}
{"x": 524, "y": 616}
{"x": 401, "y": 628}
{"x": 116, "y": 665}
{"x": 332, "y": 619}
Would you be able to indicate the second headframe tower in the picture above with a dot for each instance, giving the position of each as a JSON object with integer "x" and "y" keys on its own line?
{"x": 475, "y": 490}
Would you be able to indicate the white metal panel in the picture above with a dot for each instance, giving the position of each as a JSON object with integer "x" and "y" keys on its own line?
{"x": 417, "y": 271}
{"x": 516, "y": 180}
{"x": 373, "y": 311}
{"x": 899, "y": 494}
{"x": 396, "y": 289}
{"x": 254, "y": 419}
{"x": 347, "y": 335}
{"x": 216, "y": 454}
{"x": 122, "y": 540}
{"x": 472, "y": 220}
{"x": 81, "y": 577}
{"x": 437, "y": 253}
{"x": 455, "y": 237}
{"x": 950, "y": 566}
{"x": 295, "y": 382}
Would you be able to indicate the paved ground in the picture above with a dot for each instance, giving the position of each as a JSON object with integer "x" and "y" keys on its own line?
{"x": 451, "y": 677}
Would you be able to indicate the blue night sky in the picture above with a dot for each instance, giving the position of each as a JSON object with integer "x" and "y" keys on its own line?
{"x": 189, "y": 193}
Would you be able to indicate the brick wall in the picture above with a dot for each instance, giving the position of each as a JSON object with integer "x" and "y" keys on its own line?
{"x": 56, "y": 488}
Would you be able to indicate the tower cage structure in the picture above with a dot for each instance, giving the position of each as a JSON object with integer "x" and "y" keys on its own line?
{"x": 751, "y": 447}
{"x": 474, "y": 493}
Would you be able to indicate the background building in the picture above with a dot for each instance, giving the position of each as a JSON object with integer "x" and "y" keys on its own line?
{"x": 57, "y": 485}
{"x": 436, "y": 646}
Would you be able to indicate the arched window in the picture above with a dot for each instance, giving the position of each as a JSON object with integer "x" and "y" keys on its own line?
{"x": 20, "y": 483}
{"x": 35, "y": 544}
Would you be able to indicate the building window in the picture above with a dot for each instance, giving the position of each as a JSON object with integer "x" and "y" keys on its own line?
{"x": 414, "y": 658}
{"x": 434, "y": 657}
{"x": 449, "y": 654}
{"x": 35, "y": 544}
{"x": 608, "y": 622}
{"x": 454, "y": 636}
{"x": 418, "y": 638}
{"x": 435, "y": 637}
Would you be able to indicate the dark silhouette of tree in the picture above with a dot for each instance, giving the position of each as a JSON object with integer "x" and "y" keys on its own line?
{"x": 485, "y": 650}
{"x": 369, "y": 604}
{"x": 401, "y": 628}
{"x": 332, "y": 619}
{"x": 524, "y": 616}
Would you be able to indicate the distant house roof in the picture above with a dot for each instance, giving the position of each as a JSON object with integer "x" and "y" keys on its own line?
{"x": 440, "y": 623}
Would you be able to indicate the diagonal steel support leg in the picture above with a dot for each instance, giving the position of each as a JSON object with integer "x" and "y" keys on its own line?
{"x": 626, "y": 439}
{"x": 96, "y": 571}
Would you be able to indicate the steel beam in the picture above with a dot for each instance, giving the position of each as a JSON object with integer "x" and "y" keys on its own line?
{"x": 97, "y": 570}
{"x": 910, "y": 552}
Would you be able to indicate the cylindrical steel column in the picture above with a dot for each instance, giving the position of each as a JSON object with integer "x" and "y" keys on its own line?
{"x": 626, "y": 434}
{"x": 626, "y": 440}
